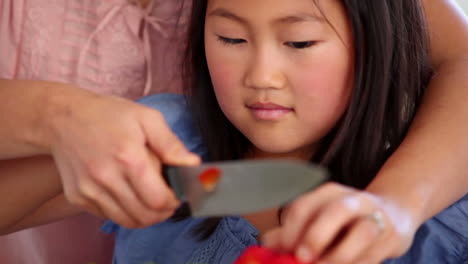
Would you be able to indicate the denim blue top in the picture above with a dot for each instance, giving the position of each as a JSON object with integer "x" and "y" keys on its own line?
{"x": 442, "y": 239}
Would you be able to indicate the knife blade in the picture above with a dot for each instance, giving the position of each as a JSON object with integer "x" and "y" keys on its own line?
{"x": 242, "y": 187}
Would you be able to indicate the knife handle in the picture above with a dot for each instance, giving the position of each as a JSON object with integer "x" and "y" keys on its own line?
{"x": 169, "y": 174}
{"x": 184, "y": 210}
{"x": 165, "y": 173}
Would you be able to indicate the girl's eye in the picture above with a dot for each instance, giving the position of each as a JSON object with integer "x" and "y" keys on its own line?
{"x": 300, "y": 44}
{"x": 230, "y": 41}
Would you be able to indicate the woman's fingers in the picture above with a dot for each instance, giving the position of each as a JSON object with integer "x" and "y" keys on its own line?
{"x": 117, "y": 147}
{"x": 134, "y": 187}
{"x": 97, "y": 197}
{"x": 164, "y": 143}
{"x": 105, "y": 190}
{"x": 86, "y": 194}
{"x": 142, "y": 174}
{"x": 125, "y": 195}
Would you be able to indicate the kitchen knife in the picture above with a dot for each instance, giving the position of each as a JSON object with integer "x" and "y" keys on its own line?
{"x": 240, "y": 187}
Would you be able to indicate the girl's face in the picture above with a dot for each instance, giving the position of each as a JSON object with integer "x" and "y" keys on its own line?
{"x": 281, "y": 74}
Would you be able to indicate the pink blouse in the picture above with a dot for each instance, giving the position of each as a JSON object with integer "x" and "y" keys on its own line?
{"x": 108, "y": 46}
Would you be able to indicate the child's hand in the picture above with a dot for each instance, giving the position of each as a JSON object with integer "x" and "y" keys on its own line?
{"x": 109, "y": 153}
{"x": 337, "y": 224}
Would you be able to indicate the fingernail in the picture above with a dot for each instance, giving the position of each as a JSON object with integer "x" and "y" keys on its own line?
{"x": 304, "y": 255}
{"x": 187, "y": 156}
{"x": 192, "y": 157}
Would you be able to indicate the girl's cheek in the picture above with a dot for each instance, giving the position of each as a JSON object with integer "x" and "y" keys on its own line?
{"x": 223, "y": 73}
{"x": 224, "y": 63}
{"x": 324, "y": 90}
{"x": 321, "y": 84}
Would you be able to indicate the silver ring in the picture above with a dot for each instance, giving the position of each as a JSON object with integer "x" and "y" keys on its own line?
{"x": 378, "y": 218}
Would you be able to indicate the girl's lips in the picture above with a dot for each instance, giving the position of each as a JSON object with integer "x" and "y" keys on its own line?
{"x": 268, "y": 111}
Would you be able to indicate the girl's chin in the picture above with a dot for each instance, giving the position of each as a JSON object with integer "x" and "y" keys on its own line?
{"x": 276, "y": 151}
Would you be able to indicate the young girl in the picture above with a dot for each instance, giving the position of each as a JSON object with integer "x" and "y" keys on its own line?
{"x": 325, "y": 81}
{"x": 333, "y": 82}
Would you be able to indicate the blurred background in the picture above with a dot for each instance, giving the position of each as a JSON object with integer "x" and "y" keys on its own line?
{"x": 464, "y": 5}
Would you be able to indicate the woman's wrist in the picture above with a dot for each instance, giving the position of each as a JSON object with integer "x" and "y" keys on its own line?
{"x": 42, "y": 105}
{"x": 53, "y": 100}
{"x": 405, "y": 205}
{"x": 24, "y": 115}
{"x": 426, "y": 173}
{"x": 60, "y": 104}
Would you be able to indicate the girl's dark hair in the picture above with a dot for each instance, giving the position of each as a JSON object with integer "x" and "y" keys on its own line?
{"x": 391, "y": 72}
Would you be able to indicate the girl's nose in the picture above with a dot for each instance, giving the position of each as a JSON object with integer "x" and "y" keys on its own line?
{"x": 265, "y": 72}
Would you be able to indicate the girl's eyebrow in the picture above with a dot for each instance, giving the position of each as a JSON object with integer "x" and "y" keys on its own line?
{"x": 221, "y": 12}
{"x": 289, "y": 19}
{"x": 300, "y": 17}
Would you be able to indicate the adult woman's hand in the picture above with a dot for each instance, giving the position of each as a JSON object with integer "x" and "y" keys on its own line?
{"x": 108, "y": 150}
{"x": 109, "y": 153}
{"x": 338, "y": 224}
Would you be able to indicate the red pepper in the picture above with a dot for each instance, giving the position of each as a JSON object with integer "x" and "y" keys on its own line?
{"x": 209, "y": 178}
{"x": 260, "y": 255}
{"x": 285, "y": 259}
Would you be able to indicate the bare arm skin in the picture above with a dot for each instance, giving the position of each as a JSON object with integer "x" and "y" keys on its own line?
{"x": 31, "y": 195}
{"x": 428, "y": 171}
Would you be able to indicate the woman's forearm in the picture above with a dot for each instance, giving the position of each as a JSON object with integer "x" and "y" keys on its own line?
{"x": 429, "y": 171}
{"x": 27, "y": 110}
{"x": 22, "y": 111}
{"x": 448, "y": 31}
{"x": 54, "y": 209}
{"x": 25, "y": 185}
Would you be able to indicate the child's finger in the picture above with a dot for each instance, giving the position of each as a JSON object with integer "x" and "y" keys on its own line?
{"x": 330, "y": 222}
{"x": 389, "y": 244}
{"x": 359, "y": 237}
{"x": 300, "y": 212}
{"x": 376, "y": 253}
{"x": 272, "y": 239}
